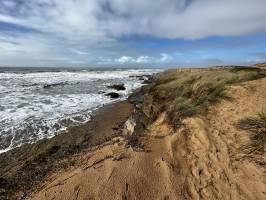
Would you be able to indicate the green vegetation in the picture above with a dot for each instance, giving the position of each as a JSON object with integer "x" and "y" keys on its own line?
{"x": 186, "y": 93}
{"x": 256, "y": 128}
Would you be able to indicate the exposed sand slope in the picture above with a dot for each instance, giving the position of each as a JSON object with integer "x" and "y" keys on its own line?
{"x": 200, "y": 161}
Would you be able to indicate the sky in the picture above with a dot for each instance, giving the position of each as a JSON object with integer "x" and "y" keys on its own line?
{"x": 132, "y": 33}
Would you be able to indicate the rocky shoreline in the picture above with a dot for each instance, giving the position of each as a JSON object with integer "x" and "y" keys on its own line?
{"x": 23, "y": 168}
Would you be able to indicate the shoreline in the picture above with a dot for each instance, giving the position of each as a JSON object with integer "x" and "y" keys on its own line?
{"x": 22, "y": 169}
{"x": 40, "y": 105}
{"x": 94, "y": 112}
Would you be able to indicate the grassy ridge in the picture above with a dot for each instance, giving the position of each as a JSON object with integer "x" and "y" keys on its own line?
{"x": 186, "y": 93}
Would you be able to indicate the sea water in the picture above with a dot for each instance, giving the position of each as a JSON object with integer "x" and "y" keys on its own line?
{"x": 37, "y": 104}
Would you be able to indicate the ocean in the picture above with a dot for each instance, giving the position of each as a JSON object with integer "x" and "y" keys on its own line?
{"x": 37, "y": 103}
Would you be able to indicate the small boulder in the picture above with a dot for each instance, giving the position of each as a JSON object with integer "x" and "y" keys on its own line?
{"x": 117, "y": 87}
{"x": 147, "y": 79}
{"x": 54, "y": 149}
{"x": 113, "y": 95}
{"x": 129, "y": 127}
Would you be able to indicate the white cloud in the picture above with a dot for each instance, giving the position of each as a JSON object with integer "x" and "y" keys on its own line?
{"x": 76, "y": 51}
{"x": 163, "y": 58}
{"x": 125, "y": 59}
{"x": 77, "y": 62}
{"x": 181, "y": 19}
{"x": 144, "y": 59}
{"x": 95, "y": 26}
{"x": 102, "y": 60}
{"x": 159, "y": 18}
{"x": 12, "y": 20}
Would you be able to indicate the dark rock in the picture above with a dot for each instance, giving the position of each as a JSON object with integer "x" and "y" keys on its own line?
{"x": 137, "y": 97}
{"x": 117, "y": 87}
{"x": 34, "y": 84}
{"x": 47, "y": 86}
{"x": 144, "y": 77}
{"x": 148, "y": 81}
{"x": 113, "y": 95}
{"x": 148, "y": 76}
{"x": 53, "y": 149}
{"x": 101, "y": 92}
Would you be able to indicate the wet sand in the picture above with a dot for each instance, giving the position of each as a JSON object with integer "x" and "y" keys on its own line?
{"x": 21, "y": 169}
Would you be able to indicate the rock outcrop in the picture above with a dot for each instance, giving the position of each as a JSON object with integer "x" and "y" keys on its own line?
{"x": 117, "y": 87}
{"x": 113, "y": 95}
{"x": 129, "y": 127}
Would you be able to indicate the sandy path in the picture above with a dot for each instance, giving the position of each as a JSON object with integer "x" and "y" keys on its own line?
{"x": 200, "y": 161}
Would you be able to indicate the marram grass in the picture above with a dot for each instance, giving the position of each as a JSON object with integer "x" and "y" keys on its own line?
{"x": 256, "y": 128}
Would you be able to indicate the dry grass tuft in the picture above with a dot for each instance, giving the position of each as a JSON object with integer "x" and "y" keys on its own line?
{"x": 256, "y": 128}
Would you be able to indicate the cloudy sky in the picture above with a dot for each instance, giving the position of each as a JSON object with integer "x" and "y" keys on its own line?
{"x": 132, "y": 32}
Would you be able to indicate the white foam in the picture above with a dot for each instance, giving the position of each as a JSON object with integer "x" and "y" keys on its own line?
{"x": 29, "y": 112}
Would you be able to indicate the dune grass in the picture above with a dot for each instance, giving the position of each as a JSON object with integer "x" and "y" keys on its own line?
{"x": 186, "y": 93}
{"x": 256, "y": 128}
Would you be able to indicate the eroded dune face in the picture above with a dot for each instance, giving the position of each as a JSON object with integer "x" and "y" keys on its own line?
{"x": 202, "y": 160}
